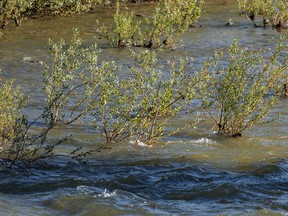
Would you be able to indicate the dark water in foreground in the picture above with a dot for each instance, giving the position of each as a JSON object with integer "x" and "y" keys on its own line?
{"x": 152, "y": 187}
{"x": 194, "y": 173}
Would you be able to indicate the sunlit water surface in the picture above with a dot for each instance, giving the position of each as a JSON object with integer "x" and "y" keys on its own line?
{"x": 195, "y": 172}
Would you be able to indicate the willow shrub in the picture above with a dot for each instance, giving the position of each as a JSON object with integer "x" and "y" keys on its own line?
{"x": 15, "y": 10}
{"x": 19, "y": 141}
{"x": 169, "y": 20}
{"x": 243, "y": 91}
{"x": 273, "y": 12}
{"x": 11, "y": 103}
{"x": 114, "y": 111}
{"x": 71, "y": 79}
{"x": 69, "y": 83}
{"x": 140, "y": 106}
{"x": 160, "y": 94}
{"x": 123, "y": 31}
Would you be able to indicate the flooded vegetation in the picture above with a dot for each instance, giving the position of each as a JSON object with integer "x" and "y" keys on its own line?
{"x": 193, "y": 172}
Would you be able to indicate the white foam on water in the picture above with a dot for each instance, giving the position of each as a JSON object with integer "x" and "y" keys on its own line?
{"x": 204, "y": 140}
{"x": 138, "y": 142}
{"x": 106, "y": 194}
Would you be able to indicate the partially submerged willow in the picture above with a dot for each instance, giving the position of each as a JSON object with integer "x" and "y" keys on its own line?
{"x": 11, "y": 104}
{"x": 140, "y": 106}
{"x": 170, "y": 19}
{"x": 244, "y": 90}
{"x": 272, "y": 12}
{"x": 70, "y": 81}
{"x": 123, "y": 30}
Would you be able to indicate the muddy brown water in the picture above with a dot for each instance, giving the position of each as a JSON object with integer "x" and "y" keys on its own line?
{"x": 195, "y": 172}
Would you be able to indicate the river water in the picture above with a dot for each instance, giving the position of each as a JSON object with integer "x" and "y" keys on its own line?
{"x": 195, "y": 172}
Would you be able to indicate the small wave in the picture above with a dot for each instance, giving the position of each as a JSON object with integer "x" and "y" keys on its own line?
{"x": 86, "y": 190}
{"x": 91, "y": 190}
{"x": 268, "y": 169}
{"x": 204, "y": 140}
{"x": 138, "y": 142}
{"x": 106, "y": 194}
{"x": 27, "y": 58}
{"x": 225, "y": 191}
{"x": 192, "y": 141}
{"x": 31, "y": 60}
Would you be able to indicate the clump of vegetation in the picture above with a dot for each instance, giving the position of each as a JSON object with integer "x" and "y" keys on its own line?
{"x": 71, "y": 79}
{"x": 160, "y": 94}
{"x": 69, "y": 83}
{"x": 273, "y": 12}
{"x": 140, "y": 106}
{"x": 123, "y": 30}
{"x": 18, "y": 10}
{"x": 64, "y": 7}
{"x": 19, "y": 141}
{"x": 113, "y": 116}
{"x": 169, "y": 21}
{"x": 11, "y": 104}
{"x": 243, "y": 91}
{"x": 13, "y": 10}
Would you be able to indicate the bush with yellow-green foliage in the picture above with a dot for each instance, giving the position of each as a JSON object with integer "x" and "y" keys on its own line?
{"x": 243, "y": 91}
{"x": 123, "y": 31}
{"x": 169, "y": 20}
{"x": 20, "y": 141}
{"x": 11, "y": 104}
{"x": 272, "y": 12}
{"x": 141, "y": 106}
{"x": 71, "y": 80}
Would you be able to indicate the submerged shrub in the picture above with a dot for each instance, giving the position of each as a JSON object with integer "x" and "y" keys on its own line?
{"x": 70, "y": 81}
{"x": 123, "y": 30}
{"x": 64, "y": 7}
{"x": 244, "y": 90}
{"x": 19, "y": 140}
{"x": 273, "y": 12}
{"x": 11, "y": 104}
{"x": 170, "y": 19}
{"x": 160, "y": 94}
{"x": 140, "y": 106}
{"x": 114, "y": 112}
